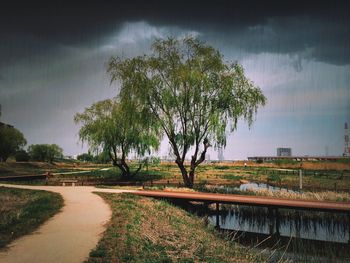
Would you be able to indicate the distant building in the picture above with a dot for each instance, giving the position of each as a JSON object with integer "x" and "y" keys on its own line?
{"x": 284, "y": 152}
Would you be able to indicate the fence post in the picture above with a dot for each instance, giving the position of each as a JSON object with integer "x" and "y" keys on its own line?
{"x": 217, "y": 215}
{"x": 277, "y": 215}
{"x": 271, "y": 223}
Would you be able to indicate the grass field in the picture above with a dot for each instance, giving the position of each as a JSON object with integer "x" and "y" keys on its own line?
{"x": 317, "y": 176}
{"x": 149, "y": 230}
{"x": 22, "y": 211}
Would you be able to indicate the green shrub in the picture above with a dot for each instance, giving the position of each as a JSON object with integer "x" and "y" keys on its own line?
{"x": 233, "y": 177}
{"x": 274, "y": 177}
{"x": 221, "y": 167}
{"x": 22, "y": 156}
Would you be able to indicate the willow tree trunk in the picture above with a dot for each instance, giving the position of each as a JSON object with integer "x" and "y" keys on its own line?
{"x": 187, "y": 178}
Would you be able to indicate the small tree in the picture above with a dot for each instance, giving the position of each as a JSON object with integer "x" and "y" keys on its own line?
{"x": 193, "y": 94}
{"x": 11, "y": 141}
{"x": 117, "y": 129}
{"x": 85, "y": 157}
{"x": 103, "y": 157}
{"x": 45, "y": 152}
{"x": 22, "y": 156}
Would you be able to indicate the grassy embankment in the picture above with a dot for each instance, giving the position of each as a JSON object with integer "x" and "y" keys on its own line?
{"x": 22, "y": 211}
{"x": 149, "y": 230}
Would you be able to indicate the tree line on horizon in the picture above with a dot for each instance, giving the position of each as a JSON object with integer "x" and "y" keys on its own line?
{"x": 12, "y": 144}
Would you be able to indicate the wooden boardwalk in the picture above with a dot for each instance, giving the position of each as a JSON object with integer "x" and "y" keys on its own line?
{"x": 270, "y": 202}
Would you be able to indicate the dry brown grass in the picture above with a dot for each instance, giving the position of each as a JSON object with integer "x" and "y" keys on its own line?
{"x": 10, "y": 202}
{"x": 21, "y": 211}
{"x": 149, "y": 230}
{"x": 319, "y": 196}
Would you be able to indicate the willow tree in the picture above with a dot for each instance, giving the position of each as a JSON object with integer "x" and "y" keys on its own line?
{"x": 195, "y": 95}
{"x": 118, "y": 128}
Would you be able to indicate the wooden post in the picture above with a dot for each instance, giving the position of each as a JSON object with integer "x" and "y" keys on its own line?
{"x": 297, "y": 224}
{"x": 349, "y": 227}
{"x": 217, "y": 216}
{"x": 271, "y": 221}
{"x": 277, "y": 216}
{"x": 301, "y": 179}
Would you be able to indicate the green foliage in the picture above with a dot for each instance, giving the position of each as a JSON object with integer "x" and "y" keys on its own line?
{"x": 343, "y": 160}
{"x": 117, "y": 128}
{"x": 150, "y": 161}
{"x": 102, "y": 157}
{"x": 285, "y": 162}
{"x": 221, "y": 167}
{"x": 192, "y": 92}
{"x": 85, "y": 157}
{"x": 274, "y": 177}
{"x": 154, "y": 160}
{"x": 11, "y": 141}
{"x": 233, "y": 177}
{"x": 22, "y": 156}
{"x": 45, "y": 152}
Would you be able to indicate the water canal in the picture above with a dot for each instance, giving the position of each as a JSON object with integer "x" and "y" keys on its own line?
{"x": 311, "y": 225}
{"x": 316, "y": 236}
{"x": 299, "y": 224}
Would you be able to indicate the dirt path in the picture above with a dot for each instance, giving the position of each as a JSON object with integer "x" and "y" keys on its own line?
{"x": 68, "y": 236}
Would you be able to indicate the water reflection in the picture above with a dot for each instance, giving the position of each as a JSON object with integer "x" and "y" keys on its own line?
{"x": 308, "y": 225}
{"x": 258, "y": 186}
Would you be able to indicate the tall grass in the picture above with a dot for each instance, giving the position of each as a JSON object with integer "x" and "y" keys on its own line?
{"x": 318, "y": 196}
{"x": 149, "y": 230}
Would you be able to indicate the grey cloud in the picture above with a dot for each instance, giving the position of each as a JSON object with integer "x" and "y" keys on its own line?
{"x": 304, "y": 37}
{"x": 314, "y": 31}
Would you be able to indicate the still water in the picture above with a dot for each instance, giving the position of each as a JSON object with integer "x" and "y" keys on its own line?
{"x": 300, "y": 224}
{"x": 308, "y": 225}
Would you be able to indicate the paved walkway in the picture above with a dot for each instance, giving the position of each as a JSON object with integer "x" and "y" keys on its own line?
{"x": 70, "y": 235}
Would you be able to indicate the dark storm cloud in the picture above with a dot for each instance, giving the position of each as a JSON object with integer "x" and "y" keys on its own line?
{"x": 301, "y": 36}
{"x": 309, "y": 29}
{"x": 73, "y": 21}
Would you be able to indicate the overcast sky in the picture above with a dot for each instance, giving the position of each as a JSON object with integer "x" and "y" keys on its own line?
{"x": 54, "y": 55}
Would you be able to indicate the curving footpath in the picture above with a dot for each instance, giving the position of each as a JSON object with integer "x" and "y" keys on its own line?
{"x": 68, "y": 236}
